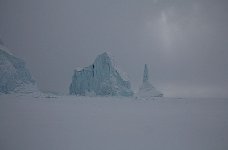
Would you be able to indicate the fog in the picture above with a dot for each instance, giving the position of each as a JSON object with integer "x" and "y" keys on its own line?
{"x": 184, "y": 43}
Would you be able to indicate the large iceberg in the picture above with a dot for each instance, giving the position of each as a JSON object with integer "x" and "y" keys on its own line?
{"x": 14, "y": 76}
{"x": 102, "y": 78}
{"x": 147, "y": 90}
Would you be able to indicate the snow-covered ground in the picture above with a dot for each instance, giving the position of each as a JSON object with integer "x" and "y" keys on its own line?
{"x": 86, "y": 123}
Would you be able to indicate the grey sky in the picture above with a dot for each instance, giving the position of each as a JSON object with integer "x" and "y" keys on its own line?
{"x": 184, "y": 43}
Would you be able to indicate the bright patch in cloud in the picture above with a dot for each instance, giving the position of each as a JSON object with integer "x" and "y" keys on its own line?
{"x": 165, "y": 30}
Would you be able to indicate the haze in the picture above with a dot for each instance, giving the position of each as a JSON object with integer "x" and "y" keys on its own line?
{"x": 184, "y": 43}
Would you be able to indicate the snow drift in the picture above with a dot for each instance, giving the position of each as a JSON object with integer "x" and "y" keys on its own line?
{"x": 102, "y": 78}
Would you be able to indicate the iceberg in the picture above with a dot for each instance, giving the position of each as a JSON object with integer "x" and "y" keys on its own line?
{"x": 147, "y": 90}
{"x": 13, "y": 73}
{"x": 102, "y": 78}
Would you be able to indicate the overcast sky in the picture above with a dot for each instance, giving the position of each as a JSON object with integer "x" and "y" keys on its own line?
{"x": 184, "y": 43}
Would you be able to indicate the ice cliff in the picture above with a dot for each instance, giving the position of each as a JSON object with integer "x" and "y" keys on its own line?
{"x": 147, "y": 90}
{"x": 13, "y": 74}
{"x": 101, "y": 78}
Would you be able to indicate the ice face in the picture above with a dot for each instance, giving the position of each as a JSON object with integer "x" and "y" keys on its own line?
{"x": 101, "y": 78}
{"x": 12, "y": 72}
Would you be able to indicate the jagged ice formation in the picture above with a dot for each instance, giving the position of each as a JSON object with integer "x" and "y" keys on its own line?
{"x": 147, "y": 90}
{"x": 101, "y": 78}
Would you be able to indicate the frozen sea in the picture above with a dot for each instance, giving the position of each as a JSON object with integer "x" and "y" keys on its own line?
{"x": 106, "y": 123}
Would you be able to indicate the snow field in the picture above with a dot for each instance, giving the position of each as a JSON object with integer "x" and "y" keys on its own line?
{"x": 109, "y": 123}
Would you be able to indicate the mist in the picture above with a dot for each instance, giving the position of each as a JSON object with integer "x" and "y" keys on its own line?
{"x": 184, "y": 43}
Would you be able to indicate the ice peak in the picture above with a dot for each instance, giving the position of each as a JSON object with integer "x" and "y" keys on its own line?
{"x": 108, "y": 58}
{"x": 105, "y": 56}
{"x": 145, "y": 74}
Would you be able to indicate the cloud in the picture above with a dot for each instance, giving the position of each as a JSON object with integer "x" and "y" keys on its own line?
{"x": 183, "y": 42}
